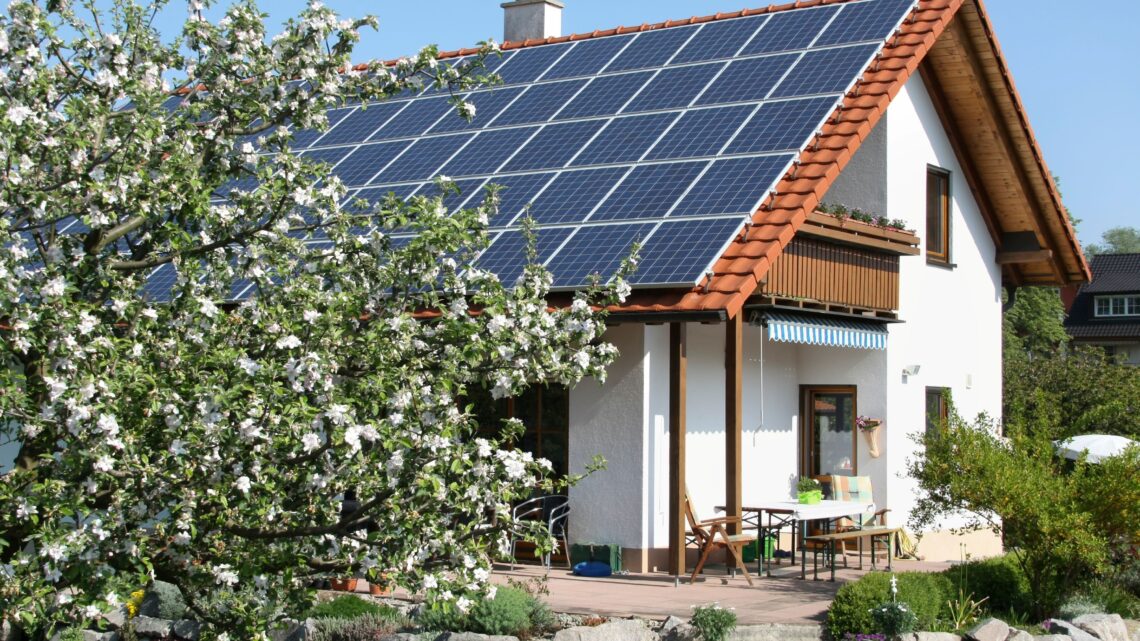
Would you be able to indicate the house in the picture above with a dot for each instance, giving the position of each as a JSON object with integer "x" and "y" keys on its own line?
{"x": 1106, "y": 311}
{"x": 760, "y": 325}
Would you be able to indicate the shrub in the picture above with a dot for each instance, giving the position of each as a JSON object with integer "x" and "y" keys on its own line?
{"x": 894, "y": 619}
{"x": 714, "y": 622}
{"x": 1078, "y": 605}
{"x": 512, "y": 612}
{"x": 999, "y": 580}
{"x": 1104, "y": 596}
{"x": 349, "y": 607}
{"x": 364, "y": 627}
{"x": 850, "y": 612}
{"x": 163, "y": 601}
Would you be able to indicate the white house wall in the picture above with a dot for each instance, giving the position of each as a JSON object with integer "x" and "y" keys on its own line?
{"x": 953, "y": 315}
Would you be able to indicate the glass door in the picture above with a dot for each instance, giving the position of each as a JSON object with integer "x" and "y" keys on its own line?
{"x": 828, "y": 432}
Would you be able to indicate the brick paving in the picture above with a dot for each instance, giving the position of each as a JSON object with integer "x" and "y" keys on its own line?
{"x": 783, "y": 598}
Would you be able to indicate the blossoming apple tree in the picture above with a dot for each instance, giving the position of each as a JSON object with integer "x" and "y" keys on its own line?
{"x": 169, "y": 429}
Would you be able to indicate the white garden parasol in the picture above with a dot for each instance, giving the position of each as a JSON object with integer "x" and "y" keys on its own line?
{"x": 1098, "y": 446}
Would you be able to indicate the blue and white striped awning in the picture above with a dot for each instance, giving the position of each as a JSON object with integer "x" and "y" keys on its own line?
{"x": 821, "y": 330}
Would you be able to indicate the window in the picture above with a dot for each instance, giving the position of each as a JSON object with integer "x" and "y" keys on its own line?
{"x": 1118, "y": 305}
{"x": 544, "y": 411}
{"x": 828, "y": 442}
{"x": 937, "y": 408}
{"x": 937, "y": 216}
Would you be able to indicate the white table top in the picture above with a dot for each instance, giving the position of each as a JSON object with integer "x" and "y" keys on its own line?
{"x": 806, "y": 512}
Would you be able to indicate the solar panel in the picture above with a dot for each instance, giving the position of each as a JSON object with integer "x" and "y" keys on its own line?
{"x": 826, "y": 71}
{"x": 423, "y": 159}
{"x": 367, "y": 160}
{"x": 733, "y": 186}
{"x": 790, "y": 30}
{"x": 596, "y": 249}
{"x": 625, "y": 139}
{"x": 488, "y": 151}
{"x": 573, "y": 194}
{"x": 528, "y": 64}
{"x": 649, "y": 191}
{"x": 872, "y": 20}
{"x": 673, "y": 88}
{"x": 701, "y": 132}
{"x": 718, "y": 40}
{"x": 506, "y": 257}
{"x": 779, "y": 126}
{"x": 306, "y": 137}
{"x": 488, "y": 104}
{"x": 587, "y": 58}
{"x": 747, "y": 80}
{"x": 678, "y": 250}
{"x": 554, "y": 146}
{"x": 360, "y": 125}
{"x": 539, "y": 103}
{"x": 671, "y": 135}
{"x": 652, "y": 49}
{"x": 605, "y": 95}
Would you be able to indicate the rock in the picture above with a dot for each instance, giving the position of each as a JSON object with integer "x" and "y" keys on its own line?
{"x": 186, "y": 630}
{"x": 1018, "y": 635}
{"x": 295, "y": 631}
{"x": 620, "y": 630}
{"x": 117, "y": 618}
{"x": 472, "y": 636}
{"x": 776, "y": 632}
{"x": 681, "y": 632}
{"x": 931, "y": 636}
{"x": 1057, "y": 626}
{"x": 670, "y": 623}
{"x": 9, "y": 632}
{"x": 402, "y": 636}
{"x": 91, "y": 635}
{"x": 989, "y": 629}
{"x": 1106, "y": 627}
{"x": 163, "y": 601}
{"x": 1052, "y": 637}
{"x": 152, "y": 627}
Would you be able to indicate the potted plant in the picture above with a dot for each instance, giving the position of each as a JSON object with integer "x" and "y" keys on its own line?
{"x": 343, "y": 585}
{"x": 382, "y": 586}
{"x": 870, "y": 429}
{"x": 809, "y": 491}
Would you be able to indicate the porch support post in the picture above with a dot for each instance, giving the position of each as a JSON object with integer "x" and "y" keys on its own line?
{"x": 733, "y": 417}
{"x": 678, "y": 365}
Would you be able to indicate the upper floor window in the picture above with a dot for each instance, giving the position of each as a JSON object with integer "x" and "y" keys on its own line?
{"x": 937, "y": 215}
{"x": 937, "y": 409}
{"x": 1118, "y": 305}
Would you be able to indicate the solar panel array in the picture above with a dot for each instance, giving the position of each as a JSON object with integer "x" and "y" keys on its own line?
{"x": 671, "y": 137}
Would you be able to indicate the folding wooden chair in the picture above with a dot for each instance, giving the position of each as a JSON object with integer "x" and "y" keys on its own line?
{"x": 712, "y": 534}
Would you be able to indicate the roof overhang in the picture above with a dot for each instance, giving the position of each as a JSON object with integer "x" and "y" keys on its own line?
{"x": 969, "y": 81}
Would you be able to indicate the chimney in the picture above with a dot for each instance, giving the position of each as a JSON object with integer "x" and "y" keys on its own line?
{"x": 527, "y": 19}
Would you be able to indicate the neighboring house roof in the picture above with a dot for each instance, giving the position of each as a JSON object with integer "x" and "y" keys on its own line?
{"x": 1112, "y": 274}
{"x": 1024, "y": 201}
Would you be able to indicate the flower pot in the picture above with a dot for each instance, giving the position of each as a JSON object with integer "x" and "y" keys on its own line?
{"x": 810, "y": 498}
{"x": 343, "y": 585}
{"x": 872, "y": 437}
{"x": 379, "y": 589}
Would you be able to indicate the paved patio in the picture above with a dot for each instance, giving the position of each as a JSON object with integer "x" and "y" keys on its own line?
{"x": 783, "y": 598}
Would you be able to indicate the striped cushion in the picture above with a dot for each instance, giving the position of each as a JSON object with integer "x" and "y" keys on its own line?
{"x": 851, "y": 488}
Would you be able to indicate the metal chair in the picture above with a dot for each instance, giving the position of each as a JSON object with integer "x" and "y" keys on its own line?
{"x": 552, "y": 510}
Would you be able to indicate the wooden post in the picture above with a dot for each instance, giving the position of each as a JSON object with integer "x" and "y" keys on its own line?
{"x": 733, "y": 417}
{"x": 678, "y": 364}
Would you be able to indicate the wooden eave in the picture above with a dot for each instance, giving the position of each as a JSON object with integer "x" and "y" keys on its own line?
{"x": 969, "y": 82}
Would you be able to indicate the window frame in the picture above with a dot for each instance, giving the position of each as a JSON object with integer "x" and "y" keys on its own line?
{"x": 1129, "y": 305}
{"x": 940, "y": 256}
{"x": 943, "y": 394}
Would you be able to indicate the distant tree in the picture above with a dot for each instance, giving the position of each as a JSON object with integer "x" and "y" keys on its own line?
{"x": 1034, "y": 325}
{"x": 1118, "y": 240}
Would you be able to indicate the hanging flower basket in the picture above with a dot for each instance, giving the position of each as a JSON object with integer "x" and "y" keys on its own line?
{"x": 870, "y": 429}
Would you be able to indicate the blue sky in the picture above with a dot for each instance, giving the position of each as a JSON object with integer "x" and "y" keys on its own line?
{"x": 1075, "y": 68}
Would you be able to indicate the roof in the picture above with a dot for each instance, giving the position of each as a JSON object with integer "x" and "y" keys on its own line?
{"x": 1112, "y": 274}
{"x": 801, "y": 182}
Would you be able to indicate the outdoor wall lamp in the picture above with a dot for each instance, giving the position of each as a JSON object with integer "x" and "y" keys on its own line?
{"x": 911, "y": 370}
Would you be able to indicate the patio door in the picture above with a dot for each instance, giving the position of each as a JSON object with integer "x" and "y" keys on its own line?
{"x": 827, "y": 433}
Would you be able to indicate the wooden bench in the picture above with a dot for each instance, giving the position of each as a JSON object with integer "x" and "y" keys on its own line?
{"x": 829, "y": 540}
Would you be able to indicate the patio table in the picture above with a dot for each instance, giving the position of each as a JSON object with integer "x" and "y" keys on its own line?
{"x": 783, "y": 513}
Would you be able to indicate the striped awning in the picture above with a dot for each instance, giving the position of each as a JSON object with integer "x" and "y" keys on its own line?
{"x": 821, "y": 330}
